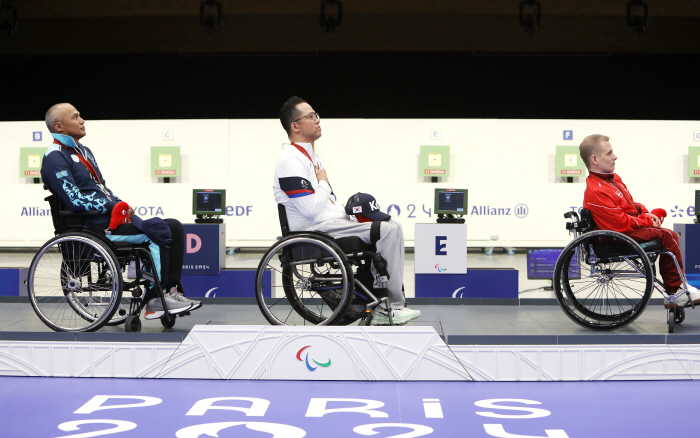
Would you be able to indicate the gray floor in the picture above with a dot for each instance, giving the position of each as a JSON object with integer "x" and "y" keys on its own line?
{"x": 531, "y": 321}
{"x": 458, "y": 324}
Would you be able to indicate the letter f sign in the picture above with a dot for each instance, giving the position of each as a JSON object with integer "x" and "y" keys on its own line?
{"x": 439, "y": 246}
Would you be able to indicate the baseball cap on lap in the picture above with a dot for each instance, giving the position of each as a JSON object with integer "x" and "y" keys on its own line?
{"x": 155, "y": 229}
{"x": 365, "y": 208}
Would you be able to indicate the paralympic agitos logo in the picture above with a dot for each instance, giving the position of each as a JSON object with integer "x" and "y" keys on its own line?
{"x": 306, "y": 359}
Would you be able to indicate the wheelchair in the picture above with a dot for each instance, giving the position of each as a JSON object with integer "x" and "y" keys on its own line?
{"x": 76, "y": 282}
{"x": 324, "y": 281}
{"x": 603, "y": 280}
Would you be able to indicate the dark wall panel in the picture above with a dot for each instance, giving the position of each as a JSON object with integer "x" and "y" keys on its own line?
{"x": 352, "y": 85}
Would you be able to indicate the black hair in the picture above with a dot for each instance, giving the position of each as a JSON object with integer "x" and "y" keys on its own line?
{"x": 289, "y": 112}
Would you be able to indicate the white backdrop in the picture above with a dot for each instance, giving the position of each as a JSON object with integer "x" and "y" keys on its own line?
{"x": 503, "y": 163}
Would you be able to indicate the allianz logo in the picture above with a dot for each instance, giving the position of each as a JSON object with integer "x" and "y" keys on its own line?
{"x": 520, "y": 210}
{"x": 35, "y": 211}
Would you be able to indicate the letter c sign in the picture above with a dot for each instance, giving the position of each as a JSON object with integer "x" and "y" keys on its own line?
{"x": 194, "y": 243}
{"x": 440, "y": 248}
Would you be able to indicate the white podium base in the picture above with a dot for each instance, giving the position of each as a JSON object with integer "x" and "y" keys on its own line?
{"x": 344, "y": 353}
{"x": 313, "y": 353}
{"x": 249, "y": 353}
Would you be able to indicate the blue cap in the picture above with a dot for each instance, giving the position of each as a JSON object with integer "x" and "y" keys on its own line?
{"x": 365, "y": 205}
{"x": 155, "y": 229}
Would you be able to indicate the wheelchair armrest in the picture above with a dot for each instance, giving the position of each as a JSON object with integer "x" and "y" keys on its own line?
{"x": 78, "y": 213}
{"x": 318, "y": 233}
{"x": 68, "y": 212}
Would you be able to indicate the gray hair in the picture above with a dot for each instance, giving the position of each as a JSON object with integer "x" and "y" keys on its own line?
{"x": 52, "y": 116}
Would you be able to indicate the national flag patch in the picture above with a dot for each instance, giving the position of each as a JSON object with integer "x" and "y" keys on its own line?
{"x": 62, "y": 174}
{"x": 357, "y": 209}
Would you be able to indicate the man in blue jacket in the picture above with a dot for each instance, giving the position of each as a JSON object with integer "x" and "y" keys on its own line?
{"x": 71, "y": 172}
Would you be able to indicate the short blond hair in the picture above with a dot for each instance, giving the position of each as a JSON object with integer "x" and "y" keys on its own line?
{"x": 589, "y": 146}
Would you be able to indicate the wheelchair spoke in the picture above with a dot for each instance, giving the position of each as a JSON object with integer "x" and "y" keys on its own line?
{"x": 314, "y": 282}
{"x": 74, "y": 283}
{"x": 55, "y": 263}
{"x": 608, "y": 290}
{"x": 620, "y": 306}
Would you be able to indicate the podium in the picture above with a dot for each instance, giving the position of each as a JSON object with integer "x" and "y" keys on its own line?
{"x": 689, "y": 242}
{"x": 441, "y": 249}
{"x": 205, "y": 248}
{"x": 441, "y": 267}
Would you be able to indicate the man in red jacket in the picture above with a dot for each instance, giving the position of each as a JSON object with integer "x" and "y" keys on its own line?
{"x": 613, "y": 208}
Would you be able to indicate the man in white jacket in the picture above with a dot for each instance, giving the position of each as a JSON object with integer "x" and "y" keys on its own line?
{"x": 301, "y": 185}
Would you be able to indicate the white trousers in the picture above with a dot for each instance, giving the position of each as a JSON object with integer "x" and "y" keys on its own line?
{"x": 390, "y": 246}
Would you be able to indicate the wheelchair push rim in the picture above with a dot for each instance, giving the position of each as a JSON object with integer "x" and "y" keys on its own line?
{"x": 315, "y": 288}
{"x": 74, "y": 283}
{"x": 603, "y": 280}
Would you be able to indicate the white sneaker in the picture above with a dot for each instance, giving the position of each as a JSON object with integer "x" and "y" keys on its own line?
{"x": 154, "y": 308}
{"x": 683, "y": 299}
{"x": 694, "y": 294}
{"x": 398, "y": 316}
{"x": 179, "y": 296}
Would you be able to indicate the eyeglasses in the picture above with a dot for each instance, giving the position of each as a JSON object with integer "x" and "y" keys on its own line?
{"x": 314, "y": 116}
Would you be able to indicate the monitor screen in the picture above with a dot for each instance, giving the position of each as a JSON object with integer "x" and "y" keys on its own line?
{"x": 451, "y": 201}
{"x": 542, "y": 261}
{"x": 209, "y": 202}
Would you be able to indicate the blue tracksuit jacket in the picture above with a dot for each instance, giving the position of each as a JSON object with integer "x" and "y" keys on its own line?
{"x": 69, "y": 179}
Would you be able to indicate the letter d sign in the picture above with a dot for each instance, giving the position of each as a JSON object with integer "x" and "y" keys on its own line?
{"x": 439, "y": 246}
{"x": 194, "y": 243}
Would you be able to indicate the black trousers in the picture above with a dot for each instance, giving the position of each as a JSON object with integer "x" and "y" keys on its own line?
{"x": 171, "y": 259}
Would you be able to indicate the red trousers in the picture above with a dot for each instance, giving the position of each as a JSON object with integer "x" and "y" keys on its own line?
{"x": 669, "y": 240}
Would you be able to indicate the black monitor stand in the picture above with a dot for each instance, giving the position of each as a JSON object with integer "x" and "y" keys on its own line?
{"x": 449, "y": 219}
{"x": 207, "y": 219}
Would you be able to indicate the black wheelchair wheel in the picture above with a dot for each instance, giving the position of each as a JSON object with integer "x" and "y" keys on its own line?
{"x": 680, "y": 315}
{"x": 603, "y": 280}
{"x": 675, "y": 316}
{"x": 168, "y": 323}
{"x": 132, "y": 323}
{"x": 74, "y": 283}
{"x": 311, "y": 279}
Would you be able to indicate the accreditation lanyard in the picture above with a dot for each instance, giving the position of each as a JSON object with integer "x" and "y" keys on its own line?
{"x": 85, "y": 162}
{"x": 306, "y": 154}
{"x": 89, "y": 167}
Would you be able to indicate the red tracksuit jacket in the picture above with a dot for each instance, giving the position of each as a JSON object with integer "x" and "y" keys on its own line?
{"x": 611, "y": 204}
